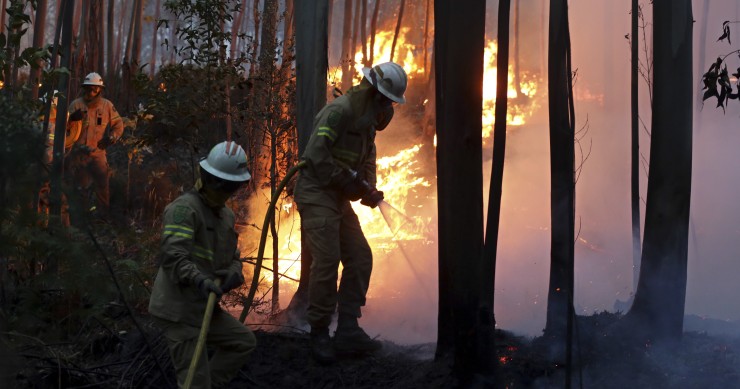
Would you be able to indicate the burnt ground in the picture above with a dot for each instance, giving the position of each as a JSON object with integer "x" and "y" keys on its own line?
{"x": 106, "y": 359}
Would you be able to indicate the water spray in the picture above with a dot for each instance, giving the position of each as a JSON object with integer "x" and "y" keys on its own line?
{"x": 385, "y": 210}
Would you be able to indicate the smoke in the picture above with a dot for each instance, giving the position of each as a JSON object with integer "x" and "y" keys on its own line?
{"x": 402, "y": 300}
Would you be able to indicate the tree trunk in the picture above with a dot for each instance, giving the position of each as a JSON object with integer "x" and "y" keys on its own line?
{"x": 355, "y": 35}
{"x": 427, "y": 72}
{"x": 235, "y": 26}
{"x": 4, "y": 4}
{"x": 398, "y": 28}
{"x": 635, "y": 148}
{"x": 311, "y": 20}
{"x": 347, "y": 55}
{"x": 562, "y": 196}
{"x": 111, "y": 69}
{"x": 459, "y": 44}
{"x": 373, "y": 31}
{"x": 39, "y": 28}
{"x": 136, "y": 44}
{"x": 363, "y": 33}
{"x": 93, "y": 51}
{"x": 153, "y": 60}
{"x": 658, "y": 309}
{"x": 517, "y": 41}
{"x": 497, "y": 171}
{"x": 57, "y": 169}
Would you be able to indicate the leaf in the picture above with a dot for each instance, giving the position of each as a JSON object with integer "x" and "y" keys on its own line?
{"x": 725, "y": 32}
{"x": 709, "y": 93}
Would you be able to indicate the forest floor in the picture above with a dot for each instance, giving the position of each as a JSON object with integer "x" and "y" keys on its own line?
{"x": 282, "y": 359}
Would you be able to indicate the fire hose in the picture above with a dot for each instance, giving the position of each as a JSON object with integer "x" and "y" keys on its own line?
{"x": 202, "y": 336}
{"x": 255, "y": 280}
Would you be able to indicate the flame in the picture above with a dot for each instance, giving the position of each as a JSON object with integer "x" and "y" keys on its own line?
{"x": 398, "y": 176}
{"x": 521, "y": 103}
{"x": 520, "y": 106}
{"x": 403, "y": 55}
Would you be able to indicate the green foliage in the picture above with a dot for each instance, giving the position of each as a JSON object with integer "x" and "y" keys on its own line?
{"x": 10, "y": 43}
{"x": 21, "y": 146}
{"x": 182, "y": 101}
{"x": 185, "y": 98}
{"x": 716, "y": 80}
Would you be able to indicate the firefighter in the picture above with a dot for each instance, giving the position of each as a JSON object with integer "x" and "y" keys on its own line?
{"x": 94, "y": 124}
{"x": 199, "y": 244}
{"x": 340, "y": 167}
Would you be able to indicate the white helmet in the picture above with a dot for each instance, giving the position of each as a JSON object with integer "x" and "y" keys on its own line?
{"x": 389, "y": 78}
{"x": 227, "y": 161}
{"x": 93, "y": 79}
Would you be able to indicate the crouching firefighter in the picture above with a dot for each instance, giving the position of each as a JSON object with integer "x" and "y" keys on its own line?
{"x": 199, "y": 246}
{"x": 340, "y": 167}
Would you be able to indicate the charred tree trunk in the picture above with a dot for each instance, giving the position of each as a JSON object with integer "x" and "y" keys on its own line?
{"x": 490, "y": 247}
{"x": 373, "y": 31}
{"x": 398, "y": 28}
{"x": 562, "y": 198}
{"x": 635, "y": 148}
{"x": 459, "y": 44}
{"x": 311, "y": 20}
{"x": 363, "y": 33}
{"x": 658, "y": 309}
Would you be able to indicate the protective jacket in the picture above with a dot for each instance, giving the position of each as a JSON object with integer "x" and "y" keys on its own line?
{"x": 343, "y": 140}
{"x": 196, "y": 240}
{"x": 100, "y": 114}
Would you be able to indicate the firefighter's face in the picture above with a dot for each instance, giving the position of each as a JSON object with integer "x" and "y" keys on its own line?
{"x": 91, "y": 91}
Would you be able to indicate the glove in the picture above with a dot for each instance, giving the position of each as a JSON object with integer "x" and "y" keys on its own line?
{"x": 77, "y": 115}
{"x": 231, "y": 279}
{"x": 355, "y": 189}
{"x": 206, "y": 286}
{"x": 373, "y": 198}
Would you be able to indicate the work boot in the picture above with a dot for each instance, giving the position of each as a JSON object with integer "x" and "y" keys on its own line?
{"x": 321, "y": 347}
{"x": 354, "y": 340}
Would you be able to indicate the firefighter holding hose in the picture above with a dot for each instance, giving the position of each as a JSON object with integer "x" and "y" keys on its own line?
{"x": 199, "y": 256}
{"x": 339, "y": 168}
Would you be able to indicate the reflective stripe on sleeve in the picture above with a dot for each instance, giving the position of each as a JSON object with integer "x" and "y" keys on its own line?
{"x": 327, "y": 132}
{"x": 178, "y": 230}
{"x": 202, "y": 252}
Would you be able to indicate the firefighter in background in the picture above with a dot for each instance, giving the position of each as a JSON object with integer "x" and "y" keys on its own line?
{"x": 94, "y": 124}
{"x": 340, "y": 167}
{"x": 199, "y": 243}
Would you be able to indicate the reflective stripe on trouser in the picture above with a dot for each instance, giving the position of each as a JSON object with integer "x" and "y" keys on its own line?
{"x": 333, "y": 237}
{"x": 231, "y": 341}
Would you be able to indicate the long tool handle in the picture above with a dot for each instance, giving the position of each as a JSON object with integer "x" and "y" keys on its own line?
{"x": 202, "y": 336}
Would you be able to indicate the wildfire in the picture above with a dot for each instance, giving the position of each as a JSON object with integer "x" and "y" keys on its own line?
{"x": 403, "y": 55}
{"x": 397, "y": 176}
{"x": 521, "y": 104}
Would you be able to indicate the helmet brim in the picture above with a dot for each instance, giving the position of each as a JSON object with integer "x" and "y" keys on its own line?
{"x": 383, "y": 90}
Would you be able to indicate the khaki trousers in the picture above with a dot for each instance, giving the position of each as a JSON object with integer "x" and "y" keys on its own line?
{"x": 230, "y": 340}
{"x": 335, "y": 237}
